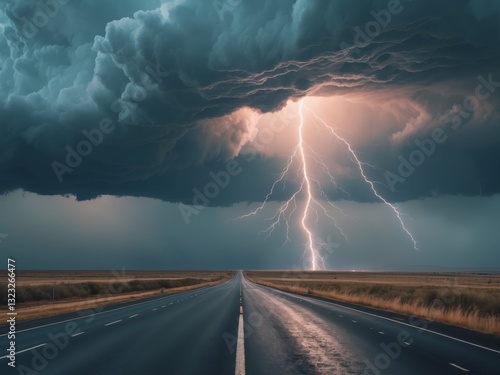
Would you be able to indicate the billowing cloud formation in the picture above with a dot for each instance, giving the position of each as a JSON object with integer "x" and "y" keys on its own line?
{"x": 144, "y": 98}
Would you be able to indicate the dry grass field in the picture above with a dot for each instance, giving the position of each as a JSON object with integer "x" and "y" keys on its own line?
{"x": 80, "y": 290}
{"x": 467, "y": 300}
{"x": 74, "y": 277}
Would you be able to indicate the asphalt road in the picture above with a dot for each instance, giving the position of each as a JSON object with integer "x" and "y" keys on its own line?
{"x": 280, "y": 333}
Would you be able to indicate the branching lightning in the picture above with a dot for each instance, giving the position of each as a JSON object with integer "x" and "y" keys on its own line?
{"x": 368, "y": 181}
{"x": 312, "y": 204}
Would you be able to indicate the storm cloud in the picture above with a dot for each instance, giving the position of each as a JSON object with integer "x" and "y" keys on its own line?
{"x": 165, "y": 92}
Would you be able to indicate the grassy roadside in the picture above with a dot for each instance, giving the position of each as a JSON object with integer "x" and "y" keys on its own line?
{"x": 468, "y": 307}
{"x": 35, "y": 301}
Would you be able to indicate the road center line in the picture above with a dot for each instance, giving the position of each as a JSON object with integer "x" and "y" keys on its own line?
{"x": 133, "y": 316}
{"x": 77, "y": 334}
{"x": 240, "y": 348}
{"x": 116, "y": 321}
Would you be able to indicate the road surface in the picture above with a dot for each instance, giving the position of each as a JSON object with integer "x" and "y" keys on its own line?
{"x": 201, "y": 332}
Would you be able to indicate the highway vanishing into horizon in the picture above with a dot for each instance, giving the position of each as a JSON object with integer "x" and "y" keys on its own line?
{"x": 239, "y": 327}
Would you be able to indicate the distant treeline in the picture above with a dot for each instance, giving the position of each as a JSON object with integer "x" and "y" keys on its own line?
{"x": 35, "y": 293}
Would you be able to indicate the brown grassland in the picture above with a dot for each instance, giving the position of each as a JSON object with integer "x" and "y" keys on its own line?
{"x": 80, "y": 290}
{"x": 467, "y": 300}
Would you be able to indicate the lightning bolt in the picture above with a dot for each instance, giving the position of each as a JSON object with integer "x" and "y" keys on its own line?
{"x": 367, "y": 180}
{"x": 306, "y": 189}
{"x": 312, "y": 250}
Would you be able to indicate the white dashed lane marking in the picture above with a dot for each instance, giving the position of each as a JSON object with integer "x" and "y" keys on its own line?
{"x": 116, "y": 321}
{"x": 25, "y": 350}
{"x": 458, "y": 367}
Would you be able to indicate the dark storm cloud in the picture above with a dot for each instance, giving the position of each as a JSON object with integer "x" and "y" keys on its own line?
{"x": 158, "y": 91}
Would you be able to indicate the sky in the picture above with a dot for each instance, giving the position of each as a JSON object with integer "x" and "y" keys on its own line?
{"x": 141, "y": 134}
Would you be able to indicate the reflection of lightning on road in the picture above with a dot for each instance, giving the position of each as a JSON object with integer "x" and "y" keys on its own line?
{"x": 306, "y": 188}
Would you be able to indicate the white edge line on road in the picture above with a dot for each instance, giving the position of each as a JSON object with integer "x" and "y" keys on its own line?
{"x": 25, "y": 350}
{"x": 240, "y": 349}
{"x": 104, "y": 312}
{"x": 398, "y": 322}
{"x": 77, "y": 334}
{"x": 116, "y": 321}
{"x": 133, "y": 316}
{"x": 458, "y": 367}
